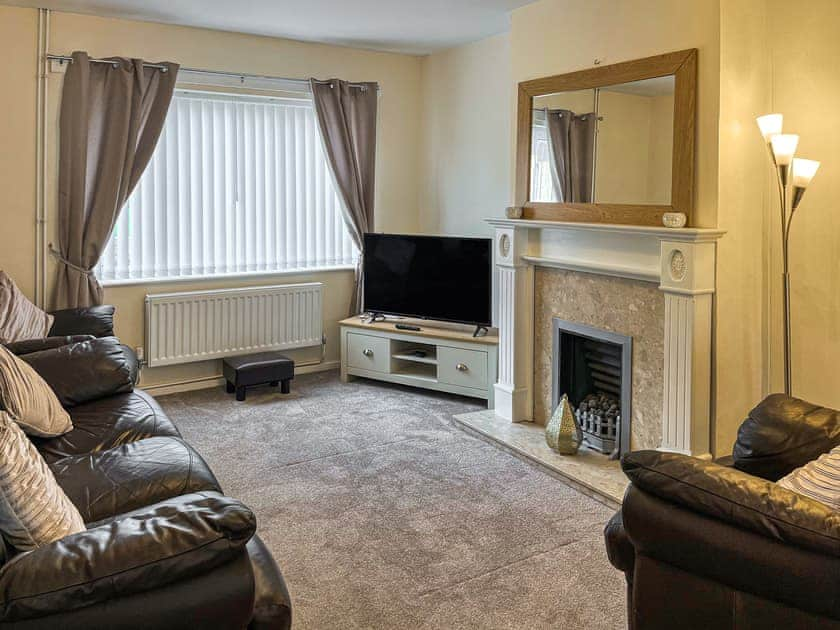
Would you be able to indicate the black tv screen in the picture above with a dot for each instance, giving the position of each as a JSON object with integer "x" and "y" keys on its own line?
{"x": 429, "y": 277}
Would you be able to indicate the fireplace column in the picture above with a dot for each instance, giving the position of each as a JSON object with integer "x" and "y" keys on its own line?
{"x": 515, "y": 290}
{"x": 688, "y": 282}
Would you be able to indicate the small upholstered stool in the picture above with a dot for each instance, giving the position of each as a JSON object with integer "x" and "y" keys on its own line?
{"x": 256, "y": 369}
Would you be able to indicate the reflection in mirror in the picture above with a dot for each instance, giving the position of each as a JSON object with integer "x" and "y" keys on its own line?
{"x": 613, "y": 144}
{"x": 563, "y": 147}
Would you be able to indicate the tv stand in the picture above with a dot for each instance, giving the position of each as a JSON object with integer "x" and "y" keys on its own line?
{"x": 441, "y": 359}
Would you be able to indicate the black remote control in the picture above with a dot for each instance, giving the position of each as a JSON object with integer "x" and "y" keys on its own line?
{"x": 406, "y": 327}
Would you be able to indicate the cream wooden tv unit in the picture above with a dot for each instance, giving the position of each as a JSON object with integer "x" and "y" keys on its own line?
{"x": 442, "y": 359}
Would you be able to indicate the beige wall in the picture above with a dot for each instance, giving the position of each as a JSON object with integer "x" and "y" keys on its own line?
{"x": 18, "y": 39}
{"x": 397, "y": 164}
{"x": 743, "y": 194}
{"x": 466, "y": 160}
{"x": 806, "y": 89}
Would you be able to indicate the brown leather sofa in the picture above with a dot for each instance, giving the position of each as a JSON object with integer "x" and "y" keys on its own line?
{"x": 718, "y": 545}
{"x": 164, "y": 547}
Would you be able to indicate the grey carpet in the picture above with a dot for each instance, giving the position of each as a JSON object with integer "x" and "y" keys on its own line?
{"x": 383, "y": 514}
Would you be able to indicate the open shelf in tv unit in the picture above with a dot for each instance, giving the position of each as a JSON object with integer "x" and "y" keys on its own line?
{"x": 440, "y": 357}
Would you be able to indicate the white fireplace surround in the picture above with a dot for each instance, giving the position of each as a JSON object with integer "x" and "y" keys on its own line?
{"x": 681, "y": 261}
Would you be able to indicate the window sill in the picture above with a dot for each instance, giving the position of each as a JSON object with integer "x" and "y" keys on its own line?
{"x": 223, "y": 277}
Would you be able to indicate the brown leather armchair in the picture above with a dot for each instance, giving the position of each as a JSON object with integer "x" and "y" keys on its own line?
{"x": 718, "y": 544}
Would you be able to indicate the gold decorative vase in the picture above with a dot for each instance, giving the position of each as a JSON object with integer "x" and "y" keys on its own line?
{"x": 562, "y": 432}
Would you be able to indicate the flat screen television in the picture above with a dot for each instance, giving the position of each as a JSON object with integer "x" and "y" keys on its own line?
{"x": 429, "y": 277}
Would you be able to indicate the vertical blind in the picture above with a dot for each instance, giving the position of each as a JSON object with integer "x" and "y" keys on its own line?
{"x": 237, "y": 184}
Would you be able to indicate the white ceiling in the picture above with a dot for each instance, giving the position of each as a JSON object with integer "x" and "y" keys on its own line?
{"x": 408, "y": 26}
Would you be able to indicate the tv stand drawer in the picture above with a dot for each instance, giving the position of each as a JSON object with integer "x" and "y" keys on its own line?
{"x": 366, "y": 352}
{"x": 466, "y": 368}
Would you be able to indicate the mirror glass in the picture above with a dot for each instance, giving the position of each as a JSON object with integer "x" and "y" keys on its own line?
{"x": 611, "y": 144}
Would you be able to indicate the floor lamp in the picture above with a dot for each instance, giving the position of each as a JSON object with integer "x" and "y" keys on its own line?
{"x": 792, "y": 176}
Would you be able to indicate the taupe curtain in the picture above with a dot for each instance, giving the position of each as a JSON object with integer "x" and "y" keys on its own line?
{"x": 346, "y": 115}
{"x": 558, "y": 122}
{"x": 111, "y": 118}
{"x": 571, "y": 138}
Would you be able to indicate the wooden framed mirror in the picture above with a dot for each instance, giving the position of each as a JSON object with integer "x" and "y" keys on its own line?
{"x": 610, "y": 144}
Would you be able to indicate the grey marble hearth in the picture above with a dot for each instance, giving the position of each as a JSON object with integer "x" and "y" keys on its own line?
{"x": 590, "y": 471}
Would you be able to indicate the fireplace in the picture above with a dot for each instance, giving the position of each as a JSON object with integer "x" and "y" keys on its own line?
{"x": 593, "y": 368}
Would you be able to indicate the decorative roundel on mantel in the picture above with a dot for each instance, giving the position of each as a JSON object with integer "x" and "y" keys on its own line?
{"x": 679, "y": 267}
{"x": 504, "y": 245}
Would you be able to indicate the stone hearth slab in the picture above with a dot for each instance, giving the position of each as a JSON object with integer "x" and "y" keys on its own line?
{"x": 589, "y": 470}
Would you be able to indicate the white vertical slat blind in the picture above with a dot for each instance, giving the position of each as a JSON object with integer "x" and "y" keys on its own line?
{"x": 237, "y": 185}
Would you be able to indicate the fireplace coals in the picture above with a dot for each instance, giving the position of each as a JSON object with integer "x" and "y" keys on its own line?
{"x": 599, "y": 416}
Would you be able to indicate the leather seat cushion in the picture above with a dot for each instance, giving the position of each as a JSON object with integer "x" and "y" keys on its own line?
{"x": 102, "y": 424}
{"x": 114, "y": 481}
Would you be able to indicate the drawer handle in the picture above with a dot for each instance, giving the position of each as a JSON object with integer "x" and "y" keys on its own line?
{"x": 367, "y": 352}
{"x": 462, "y": 368}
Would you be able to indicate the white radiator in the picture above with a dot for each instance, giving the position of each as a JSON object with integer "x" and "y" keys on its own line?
{"x": 202, "y": 325}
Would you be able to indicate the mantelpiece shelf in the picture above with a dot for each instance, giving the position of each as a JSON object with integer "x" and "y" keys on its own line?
{"x": 671, "y": 234}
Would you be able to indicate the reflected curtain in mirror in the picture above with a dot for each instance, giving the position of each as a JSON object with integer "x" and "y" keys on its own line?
{"x": 563, "y": 156}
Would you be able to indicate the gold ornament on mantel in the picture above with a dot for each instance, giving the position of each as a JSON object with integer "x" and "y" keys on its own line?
{"x": 562, "y": 432}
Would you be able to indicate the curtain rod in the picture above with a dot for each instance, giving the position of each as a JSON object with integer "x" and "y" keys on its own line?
{"x": 542, "y": 109}
{"x": 219, "y": 73}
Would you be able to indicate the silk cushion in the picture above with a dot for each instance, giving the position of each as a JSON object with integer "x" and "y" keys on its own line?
{"x": 34, "y": 510}
{"x": 819, "y": 479}
{"x": 29, "y": 400}
{"x": 19, "y": 318}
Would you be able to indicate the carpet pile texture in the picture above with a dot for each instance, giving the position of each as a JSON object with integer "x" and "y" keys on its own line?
{"x": 382, "y": 513}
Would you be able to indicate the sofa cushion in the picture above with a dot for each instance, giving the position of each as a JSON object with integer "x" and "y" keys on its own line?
{"x": 34, "y": 510}
{"x": 130, "y": 476}
{"x": 85, "y": 371}
{"x": 29, "y": 400}
{"x": 783, "y": 433}
{"x": 20, "y": 318}
{"x": 90, "y": 320}
{"x": 109, "y": 422}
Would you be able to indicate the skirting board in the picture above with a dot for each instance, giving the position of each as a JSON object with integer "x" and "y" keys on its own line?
{"x": 209, "y": 382}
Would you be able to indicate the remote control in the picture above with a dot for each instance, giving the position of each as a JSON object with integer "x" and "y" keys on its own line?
{"x": 406, "y": 327}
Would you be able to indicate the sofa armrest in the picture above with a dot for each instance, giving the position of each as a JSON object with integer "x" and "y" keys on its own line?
{"x": 28, "y": 346}
{"x": 85, "y": 371}
{"x": 735, "y": 497}
{"x": 92, "y": 320}
{"x": 620, "y": 550}
{"x": 164, "y": 543}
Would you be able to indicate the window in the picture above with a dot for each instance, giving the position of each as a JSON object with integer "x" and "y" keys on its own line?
{"x": 237, "y": 185}
{"x": 542, "y": 185}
